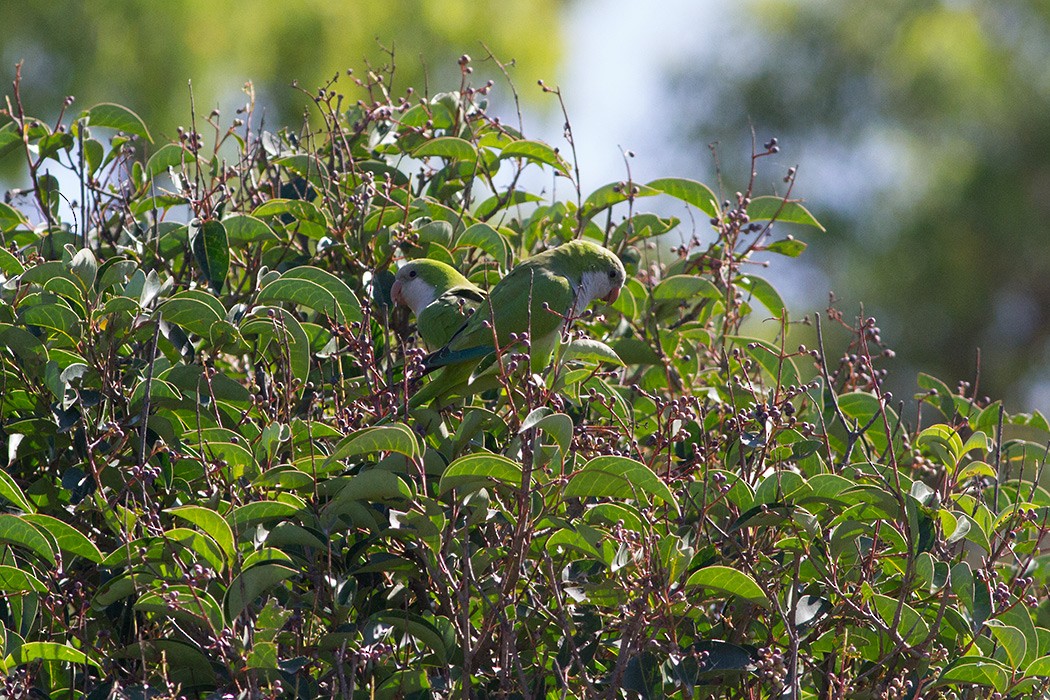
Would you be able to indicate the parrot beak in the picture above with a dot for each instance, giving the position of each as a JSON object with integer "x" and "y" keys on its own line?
{"x": 612, "y": 296}
{"x": 395, "y": 293}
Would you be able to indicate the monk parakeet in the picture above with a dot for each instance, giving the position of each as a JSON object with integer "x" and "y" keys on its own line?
{"x": 536, "y": 297}
{"x": 441, "y": 299}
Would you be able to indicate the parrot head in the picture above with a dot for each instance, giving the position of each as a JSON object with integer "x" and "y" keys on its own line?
{"x": 419, "y": 282}
{"x": 601, "y": 275}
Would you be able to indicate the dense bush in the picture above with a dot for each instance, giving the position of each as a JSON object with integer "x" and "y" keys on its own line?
{"x": 211, "y": 483}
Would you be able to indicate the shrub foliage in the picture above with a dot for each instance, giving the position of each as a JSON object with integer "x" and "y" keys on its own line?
{"x": 211, "y": 483}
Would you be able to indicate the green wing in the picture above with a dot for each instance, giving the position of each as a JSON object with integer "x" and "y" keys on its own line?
{"x": 510, "y": 302}
{"x": 447, "y": 314}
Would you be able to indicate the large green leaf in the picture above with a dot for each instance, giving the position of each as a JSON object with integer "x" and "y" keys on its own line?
{"x": 449, "y": 147}
{"x": 685, "y": 288}
{"x": 252, "y": 514}
{"x": 976, "y": 670}
{"x": 766, "y": 208}
{"x": 69, "y": 539}
{"x": 298, "y": 209}
{"x": 251, "y": 584}
{"x": 48, "y": 651}
{"x": 194, "y": 605}
{"x": 418, "y": 628}
{"x": 17, "y": 532}
{"x": 537, "y": 152}
{"x": 193, "y": 310}
{"x": 114, "y": 116}
{"x": 689, "y": 191}
{"x": 729, "y": 581}
{"x": 211, "y": 523}
{"x": 243, "y": 228}
{"x": 765, "y": 293}
{"x": 9, "y": 489}
{"x": 476, "y": 469}
{"x": 395, "y": 437}
{"x": 488, "y": 239}
{"x": 590, "y": 351}
{"x": 612, "y": 194}
{"x": 618, "y": 478}
{"x": 211, "y": 248}
{"x": 14, "y": 580}
{"x": 316, "y": 289}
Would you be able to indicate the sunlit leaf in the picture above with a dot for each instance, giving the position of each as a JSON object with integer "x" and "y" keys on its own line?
{"x": 118, "y": 117}
{"x": 480, "y": 467}
{"x": 728, "y": 581}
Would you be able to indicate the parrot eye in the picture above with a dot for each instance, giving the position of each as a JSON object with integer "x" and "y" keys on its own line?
{"x": 612, "y": 274}
{"x": 411, "y": 273}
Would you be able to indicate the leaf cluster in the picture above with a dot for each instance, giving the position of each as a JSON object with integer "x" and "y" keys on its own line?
{"x": 211, "y": 483}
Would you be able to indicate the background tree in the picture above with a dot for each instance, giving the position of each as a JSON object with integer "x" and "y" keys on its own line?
{"x": 922, "y": 129}
{"x": 142, "y": 53}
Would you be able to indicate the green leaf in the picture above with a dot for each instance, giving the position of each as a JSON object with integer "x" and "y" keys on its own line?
{"x": 1039, "y": 668}
{"x": 504, "y": 201}
{"x": 729, "y": 581}
{"x": 11, "y": 218}
{"x": 374, "y": 485}
{"x": 263, "y": 655}
{"x": 1018, "y": 617}
{"x": 685, "y": 287}
{"x": 396, "y": 437}
{"x": 243, "y": 228}
{"x": 316, "y": 289}
{"x": 536, "y": 151}
{"x": 557, "y": 425}
{"x": 258, "y": 512}
{"x": 284, "y": 331}
{"x": 912, "y": 627}
{"x": 48, "y": 651}
{"x": 689, "y": 191}
{"x": 85, "y": 266}
{"x": 489, "y": 240}
{"x": 251, "y": 584}
{"x": 768, "y": 208}
{"x": 592, "y": 351}
{"x": 618, "y": 478}
{"x": 9, "y": 264}
{"x": 977, "y": 670}
{"x": 416, "y": 627}
{"x": 790, "y": 247}
{"x": 15, "y": 531}
{"x": 937, "y": 394}
{"x": 171, "y": 155}
{"x": 765, "y": 293}
{"x": 193, "y": 310}
{"x": 14, "y": 580}
{"x": 57, "y": 317}
{"x": 70, "y": 540}
{"x": 449, "y": 147}
{"x": 611, "y": 195}
{"x": 10, "y": 490}
{"x": 211, "y": 248}
{"x": 299, "y": 209}
{"x": 213, "y": 524}
{"x": 194, "y": 605}
{"x": 480, "y": 467}
{"x": 118, "y": 117}
{"x": 1011, "y": 640}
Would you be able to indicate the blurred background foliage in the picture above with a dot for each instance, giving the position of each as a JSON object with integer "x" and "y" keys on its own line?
{"x": 142, "y": 53}
{"x": 921, "y": 128}
{"x": 926, "y": 127}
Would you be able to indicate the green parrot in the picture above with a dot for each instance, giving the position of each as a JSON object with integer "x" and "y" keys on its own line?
{"x": 441, "y": 299}
{"x": 536, "y": 297}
